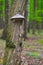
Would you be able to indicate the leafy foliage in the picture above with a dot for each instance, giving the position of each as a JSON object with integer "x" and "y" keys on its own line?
{"x": 38, "y": 12}
{"x": 31, "y": 9}
{"x": 2, "y": 7}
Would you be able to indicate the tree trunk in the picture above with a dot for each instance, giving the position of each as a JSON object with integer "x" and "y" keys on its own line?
{"x": 34, "y": 25}
{"x": 14, "y": 53}
{"x": 6, "y": 18}
{"x": 34, "y": 21}
{"x": 40, "y": 27}
{"x": 25, "y": 22}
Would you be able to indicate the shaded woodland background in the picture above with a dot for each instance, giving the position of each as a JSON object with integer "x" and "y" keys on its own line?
{"x": 34, "y": 12}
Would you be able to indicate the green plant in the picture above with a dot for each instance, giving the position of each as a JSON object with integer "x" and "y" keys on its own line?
{"x": 33, "y": 54}
{"x": 40, "y": 42}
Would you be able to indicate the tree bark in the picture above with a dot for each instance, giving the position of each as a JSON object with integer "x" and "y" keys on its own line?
{"x": 25, "y": 22}
{"x": 34, "y": 21}
{"x": 7, "y": 9}
{"x": 14, "y": 56}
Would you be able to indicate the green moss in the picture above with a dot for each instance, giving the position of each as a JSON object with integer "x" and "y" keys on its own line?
{"x": 5, "y": 57}
{"x": 10, "y": 44}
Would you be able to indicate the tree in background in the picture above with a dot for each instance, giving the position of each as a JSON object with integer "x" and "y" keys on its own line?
{"x": 25, "y": 23}
{"x": 39, "y": 14}
{"x": 2, "y": 13}
{"x": 36, "y": 9}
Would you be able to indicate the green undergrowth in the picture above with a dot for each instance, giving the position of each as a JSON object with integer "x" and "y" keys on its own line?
{"x": 40, "y": 42}
{"x": 33, "y": 54}
{"x": 37, "y": 33}
{"x": 26, "y": 45}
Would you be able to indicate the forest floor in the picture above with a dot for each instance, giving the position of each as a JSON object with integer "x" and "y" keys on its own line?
{"x": 32, "y": 52}
{"x": 2, "y": 50}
